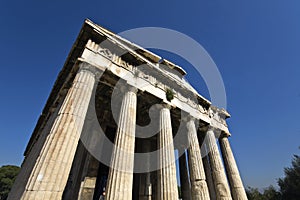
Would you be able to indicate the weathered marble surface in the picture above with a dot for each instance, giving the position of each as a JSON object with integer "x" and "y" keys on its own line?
{"x": 218, "y": 171}
{"x": 120, "y": 178}
{"x": 197, "y": 174}
{"x": 167, "y": 183}
{"x": 49, "y": 176}
{"x": 235, "y": 181}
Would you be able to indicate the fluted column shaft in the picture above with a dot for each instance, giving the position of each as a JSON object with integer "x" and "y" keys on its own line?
{"x": 218, "y": 172}
{"x": 197, "y": 173}
{"x": 120, "y": 178}
{"x": 235, "y": 181}
{"x": 209, "y": 178}
{"x": 50, "y": 173}
{"x": 167, "y": 183}
{"x": 184, "y": 178}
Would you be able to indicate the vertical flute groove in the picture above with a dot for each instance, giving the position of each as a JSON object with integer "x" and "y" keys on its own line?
{"x": 51, "y": 170}
{"x": 197, "y": 174}
{"x": 218, "y": 172}
{"x": 167, "y": 187}
{"x": 235, "y": 181}
{"x": 120, "y": 179}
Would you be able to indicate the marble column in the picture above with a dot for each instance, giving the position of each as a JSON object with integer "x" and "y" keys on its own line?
{"x": 218, "y": 172}
{"x": 209, "y": 178}
{"x": 120, "y": 178}
{"x": 184, "y": 178}
{"x": 235, "y": 181}
{"x": 50, "y": 173}
{"x": 167, "y": 183}
{"x": 197, "y": 173}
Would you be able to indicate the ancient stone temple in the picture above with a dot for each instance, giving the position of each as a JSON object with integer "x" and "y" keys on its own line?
{"x": 124, "y": 122}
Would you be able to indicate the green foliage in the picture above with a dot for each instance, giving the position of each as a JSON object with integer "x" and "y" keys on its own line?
{"x": 169, "y": 94}
{"x": 290, "y": 184}
{"x": 8, "y": 175}
{"x": 272, "y": 194}
{"x": 253, "y": 194}
{"x": 269, "y": 193}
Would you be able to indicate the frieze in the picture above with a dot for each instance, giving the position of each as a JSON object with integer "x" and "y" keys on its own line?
{"x": 96, "y": 48}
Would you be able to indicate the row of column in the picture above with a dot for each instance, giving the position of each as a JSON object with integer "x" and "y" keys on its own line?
{"x": 120, "y": 179}
{"x": 49, "y": 176}
{"x": 207, "y": 176}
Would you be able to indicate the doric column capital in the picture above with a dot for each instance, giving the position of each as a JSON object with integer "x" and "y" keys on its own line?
{"x": 85, "y": 66}
{"x": 218, "y": 119}
{"x": 163, "y": 105}
{"x": 224, "y": 135}
{"x": 187, "y": 118}
{"x": 123, "y": 88}
{"x": 129, "y": 88}
{"x": 191, "y": 118}
{"x": 217, "y": 132}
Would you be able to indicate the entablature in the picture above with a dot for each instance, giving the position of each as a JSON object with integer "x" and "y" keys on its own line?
{"x": 156, "y": 82}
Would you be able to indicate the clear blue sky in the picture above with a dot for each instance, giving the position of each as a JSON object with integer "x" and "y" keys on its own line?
{"x": 255, "y": 44}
